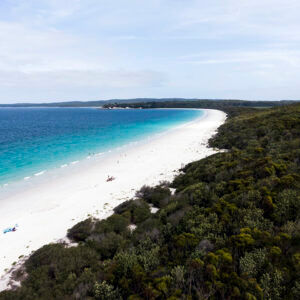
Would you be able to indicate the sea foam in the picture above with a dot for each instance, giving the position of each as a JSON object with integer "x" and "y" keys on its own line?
{"x": 40, "y": 173}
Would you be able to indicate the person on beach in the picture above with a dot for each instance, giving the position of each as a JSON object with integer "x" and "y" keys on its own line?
{"x": 10, "y": 229}
{"x": 110, "y": 178}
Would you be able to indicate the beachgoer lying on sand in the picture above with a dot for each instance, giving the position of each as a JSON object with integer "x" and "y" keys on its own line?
{"x": 10, "y": 229}
{"x": 110, "y": 178}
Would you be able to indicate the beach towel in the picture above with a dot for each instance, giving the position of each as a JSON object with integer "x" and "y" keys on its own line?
{"x": 10, "y": 229}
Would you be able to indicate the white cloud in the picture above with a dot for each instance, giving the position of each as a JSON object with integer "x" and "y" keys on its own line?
{"x": 157, "y": 48}
{"x": 288, "y": 57}
{"x": 230, "y": 18}
{"x": 24, "y": 48}
{"x": 82, "y": 79}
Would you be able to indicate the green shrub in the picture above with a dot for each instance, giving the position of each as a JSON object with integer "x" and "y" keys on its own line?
{"x": 158, "y": 195}
{"x": 115, "y": 223}
{"x": 81, "y": 230}
{"x": 253, "y": 262}
{"x": 106, "y": 244}
{"x": 137, "y": 210}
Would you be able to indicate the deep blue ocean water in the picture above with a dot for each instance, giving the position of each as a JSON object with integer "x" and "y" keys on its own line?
{"x": 35, "y": 140}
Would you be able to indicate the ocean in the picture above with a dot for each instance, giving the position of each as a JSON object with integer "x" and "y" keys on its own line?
{"x": 35, "y": 141}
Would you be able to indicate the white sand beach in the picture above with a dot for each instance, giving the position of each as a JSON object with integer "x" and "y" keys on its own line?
{"x": 44, "y": 212}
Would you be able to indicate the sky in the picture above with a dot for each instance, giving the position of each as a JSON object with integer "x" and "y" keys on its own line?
{"x": 62, "y": 50}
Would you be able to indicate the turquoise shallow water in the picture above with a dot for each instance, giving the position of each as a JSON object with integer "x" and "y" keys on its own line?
{"x": 36, "y": 140}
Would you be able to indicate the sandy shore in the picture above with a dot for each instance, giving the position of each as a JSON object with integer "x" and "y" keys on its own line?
{"x": 45, "y": 212}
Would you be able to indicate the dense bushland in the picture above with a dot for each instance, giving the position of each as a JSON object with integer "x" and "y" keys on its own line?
{"x": 231, "y": 107}
{"x": 231, "y": 230}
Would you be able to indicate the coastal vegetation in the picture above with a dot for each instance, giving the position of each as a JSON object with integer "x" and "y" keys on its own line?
{"x": 231, "y": 230}
{"x": 157, "y": 103}
{"x": 231, "y": 107}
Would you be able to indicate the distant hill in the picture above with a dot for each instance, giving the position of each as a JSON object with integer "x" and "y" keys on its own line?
{"x": 172, "y": 102}
{"x": 96, "y": 103}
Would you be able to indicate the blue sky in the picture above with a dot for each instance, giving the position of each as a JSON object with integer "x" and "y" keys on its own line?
{"x": 60, "y": 50}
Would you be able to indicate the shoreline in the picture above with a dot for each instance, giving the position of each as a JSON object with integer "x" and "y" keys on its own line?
{"x": 45, "y": 212}
{"x": 26, "y": 180}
